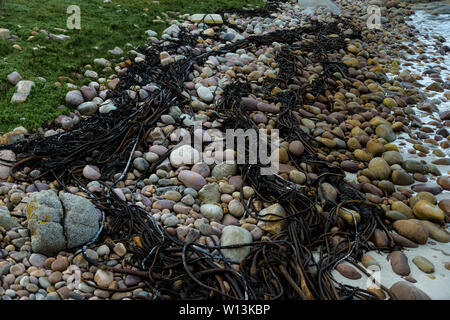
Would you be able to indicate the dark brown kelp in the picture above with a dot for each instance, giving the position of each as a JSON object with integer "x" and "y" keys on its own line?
{"x": 280, "y": 267}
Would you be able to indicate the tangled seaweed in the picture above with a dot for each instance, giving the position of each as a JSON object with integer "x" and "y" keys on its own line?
{"x": 293, "y": 264}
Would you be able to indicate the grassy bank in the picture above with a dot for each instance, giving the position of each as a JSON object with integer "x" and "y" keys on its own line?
{"x": 103, "y": 27}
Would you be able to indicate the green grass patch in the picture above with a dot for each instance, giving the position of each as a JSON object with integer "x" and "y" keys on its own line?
{"x": 104, "y": 26}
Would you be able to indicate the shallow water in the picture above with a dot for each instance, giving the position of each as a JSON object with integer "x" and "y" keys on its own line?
{"x": 435, "y": 284}
{"x": 430, "y": 25}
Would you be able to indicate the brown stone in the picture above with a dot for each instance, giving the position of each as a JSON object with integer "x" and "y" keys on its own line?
{"x": 348, "y": 271}
{"x": 436, "y": 232}
{"x": 103, "y": 278}
{"x": 235, "y": 181}
{"x": 367, "y": 261}
{"x": 349, "y": 216}
{"x": 274, "y": 212}
{"x": 379, "y": 168}
{"x": 422, "y": 196}
{"x": 399, "y": 263}
{"x": 349, "y": 166}
{"x": 60, "y": 264}
{"x": 435, "y": 87}
{"x": 80, "y": 261}
{"x": 444, "y": 182}
{"x": 444, "y": 161}
{"x": 375, "y": 147}
{"x": 64, "y": 292}
{"x": 370, "y": 188}
{"x": 423, "y": 264}
{"x": 403, "y": 208}
{"x": 427, "y": 211}
{"x": 402, "y": 241}
{"x": 283, "y": 155}
{"x": 412, "y": 229}
{"x": 121, "y": 295}
{"x": 445, "y": 205}
{"x": 410, "y": 279}
{"x": 327, "y": 192}
{"x": 420, "y": 177}
{"x": 406, "y": 291}
{"x": 380, "y": 239}
{"x": 353, "y": 144}
{"x": 373, "y": 198}
{"x": 55, "y": 277}
{"x": 296, "y": 148}
{"x": 392, "y": 4}
{"x": 386, "y": 186}
{"x": 423, "y": 187}
{"x": 402, "y": 178}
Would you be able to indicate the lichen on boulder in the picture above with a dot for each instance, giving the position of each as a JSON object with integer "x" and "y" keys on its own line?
{"x": 44, "y": 214}
{"x": 81, "y": 219}
{"x": 59, "y": 223}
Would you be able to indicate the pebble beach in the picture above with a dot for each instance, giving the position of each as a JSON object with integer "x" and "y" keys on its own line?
{"x": 382, "y": 119}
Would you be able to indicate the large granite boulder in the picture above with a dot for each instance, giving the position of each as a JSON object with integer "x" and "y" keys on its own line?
{"x": 45, "y": 215}
{"x": 60, "y": 223}
{"x": 81, "y": 219}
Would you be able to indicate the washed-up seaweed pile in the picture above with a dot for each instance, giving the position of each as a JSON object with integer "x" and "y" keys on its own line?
{"x": 280, "y": 267}
{"x": 308, "y": 230}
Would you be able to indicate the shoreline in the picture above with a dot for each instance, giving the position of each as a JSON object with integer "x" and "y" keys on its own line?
{"x": 315, "y": 120}
{"x": 436, "y": 252}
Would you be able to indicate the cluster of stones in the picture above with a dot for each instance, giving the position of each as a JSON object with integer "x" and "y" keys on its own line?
{"x": 23, "y": 87}
{"x": 198, "y": 196}
{"x": 26, "y": 275}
